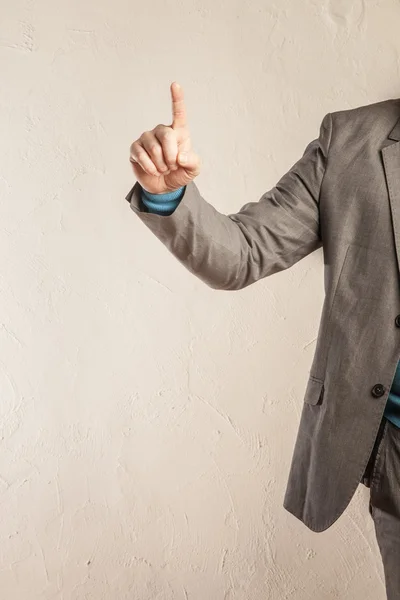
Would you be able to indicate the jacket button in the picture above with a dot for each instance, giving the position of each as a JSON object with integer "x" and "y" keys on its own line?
{"x": 397, "y": 321}
{"x": 378, "y": 390}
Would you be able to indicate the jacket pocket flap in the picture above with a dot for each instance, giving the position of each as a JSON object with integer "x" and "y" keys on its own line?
{"x": 314, "y": 391}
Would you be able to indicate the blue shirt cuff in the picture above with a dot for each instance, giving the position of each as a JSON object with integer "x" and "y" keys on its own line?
{"x": 162, "y": 203}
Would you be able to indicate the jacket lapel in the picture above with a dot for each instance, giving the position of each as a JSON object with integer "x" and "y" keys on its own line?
{"x": 391, "y": 163}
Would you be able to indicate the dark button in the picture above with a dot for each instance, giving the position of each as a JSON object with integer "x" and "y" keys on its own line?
{"x": 378, "y": 390}
{"x": 397, "y": 321}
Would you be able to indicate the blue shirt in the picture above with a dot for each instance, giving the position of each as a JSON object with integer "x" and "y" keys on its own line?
{"x": 165, "y": 204}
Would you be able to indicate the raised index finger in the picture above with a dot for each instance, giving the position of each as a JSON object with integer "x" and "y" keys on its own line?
{"x": 178, "y": 106}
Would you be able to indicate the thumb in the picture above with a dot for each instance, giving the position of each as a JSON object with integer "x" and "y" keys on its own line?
{"x": 190, "y": 162}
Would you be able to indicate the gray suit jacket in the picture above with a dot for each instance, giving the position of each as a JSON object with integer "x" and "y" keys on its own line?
{"x": 343, "y": 195}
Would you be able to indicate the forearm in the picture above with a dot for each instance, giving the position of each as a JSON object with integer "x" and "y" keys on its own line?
{"x": 229, "y": 252}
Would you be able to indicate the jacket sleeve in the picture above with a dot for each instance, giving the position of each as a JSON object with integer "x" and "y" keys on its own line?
{"x": 231, "y": 251}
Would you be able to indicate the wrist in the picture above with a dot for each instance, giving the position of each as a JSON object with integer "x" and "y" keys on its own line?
{"x": 164, "y": 203}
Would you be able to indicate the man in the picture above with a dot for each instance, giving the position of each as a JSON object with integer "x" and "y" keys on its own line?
{"x": 343, "y": 195}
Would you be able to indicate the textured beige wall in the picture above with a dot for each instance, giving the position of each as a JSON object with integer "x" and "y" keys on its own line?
{"x": 147, "y": 421}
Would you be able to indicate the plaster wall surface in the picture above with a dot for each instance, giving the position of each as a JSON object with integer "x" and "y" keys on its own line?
{"x": 147, "y": 421}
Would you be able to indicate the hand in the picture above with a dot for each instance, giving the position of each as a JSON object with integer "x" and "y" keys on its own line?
{"x": 157, "y": 156}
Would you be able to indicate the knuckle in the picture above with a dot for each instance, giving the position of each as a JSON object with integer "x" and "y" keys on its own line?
{"x": 154, "y": 149}
{"x": 172, "y": 158}
{"x": 168, "y": 134}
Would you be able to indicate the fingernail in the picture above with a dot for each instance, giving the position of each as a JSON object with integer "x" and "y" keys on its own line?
{"x": 183, "y": 157}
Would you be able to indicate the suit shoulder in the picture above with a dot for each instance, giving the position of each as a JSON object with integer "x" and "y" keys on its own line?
{"x": 382, "y": 108}
{"x": 374, "y": 120}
